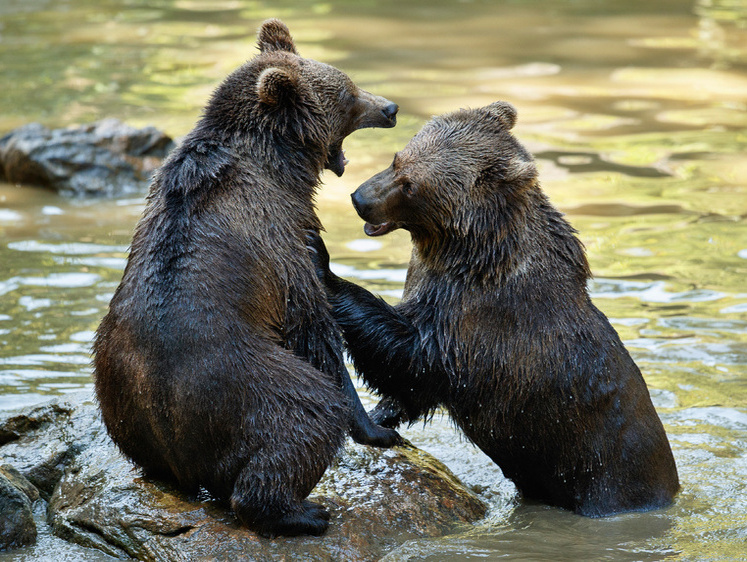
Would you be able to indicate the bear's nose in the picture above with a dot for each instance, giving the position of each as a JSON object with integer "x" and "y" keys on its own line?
{"x": 356, "y": 202}
{"x": 390, "y": 110}
{"x": 362, "y": 207}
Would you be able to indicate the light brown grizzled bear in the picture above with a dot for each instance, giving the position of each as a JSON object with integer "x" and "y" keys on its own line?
{"x": 496, "y": 324}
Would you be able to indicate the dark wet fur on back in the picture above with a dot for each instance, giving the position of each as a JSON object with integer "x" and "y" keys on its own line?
{"x": 219, "y": 364}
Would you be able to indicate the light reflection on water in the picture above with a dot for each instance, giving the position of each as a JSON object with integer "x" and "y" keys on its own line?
{"x": 635, "y": 111}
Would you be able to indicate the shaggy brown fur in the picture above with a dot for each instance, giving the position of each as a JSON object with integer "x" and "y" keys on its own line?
{"x": 219, "y": 364}
{"x": 496, "y": 323}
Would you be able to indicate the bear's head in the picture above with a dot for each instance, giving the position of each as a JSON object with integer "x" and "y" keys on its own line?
{"x": 304, "y": 105}
{"x": 453, "y": 178}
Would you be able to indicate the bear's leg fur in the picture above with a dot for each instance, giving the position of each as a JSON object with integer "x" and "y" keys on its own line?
{"x": 363, "y": 429}
{"x": 271, "y": 510}
{"x": 384, "y": 345}
{"x": 290, "y": 447}
{"x": 316, "y": 337}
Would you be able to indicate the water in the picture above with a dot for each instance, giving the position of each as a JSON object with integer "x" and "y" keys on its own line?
{"x": 636, "y": 112}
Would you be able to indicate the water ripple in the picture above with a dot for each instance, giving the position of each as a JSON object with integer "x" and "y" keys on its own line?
{"x": 68, "y": 248}
{"x": 392, "y": 275}
{"x": 728, "y": 418}
{"x": 42, "y": 359}
{"x": 648, "y": 292}
{"x": 69, "y": 280}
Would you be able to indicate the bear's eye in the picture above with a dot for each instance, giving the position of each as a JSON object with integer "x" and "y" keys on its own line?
{"x": 408, "y": 189}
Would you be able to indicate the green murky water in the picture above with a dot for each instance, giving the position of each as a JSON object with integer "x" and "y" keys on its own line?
{"x": 636, "y": 111}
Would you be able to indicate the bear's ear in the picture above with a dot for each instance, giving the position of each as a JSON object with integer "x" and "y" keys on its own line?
{"x": 277, "y": 86}
{"x": 504, "y": 112}
{"x": 275, "y": 36}
{"x": 519, "y": 170}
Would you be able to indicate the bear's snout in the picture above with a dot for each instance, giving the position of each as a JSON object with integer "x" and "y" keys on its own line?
{"x": 368, "y": 199}
{"x": 371, "y": 201}
{"x": 376, "y": 111}
{"x": 390, "y": 113}
{"x": 359, "y": 204}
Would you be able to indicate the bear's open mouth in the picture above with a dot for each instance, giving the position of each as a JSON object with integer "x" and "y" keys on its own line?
{"x": 378, "y": 229}
{"x": 336, "y": 160}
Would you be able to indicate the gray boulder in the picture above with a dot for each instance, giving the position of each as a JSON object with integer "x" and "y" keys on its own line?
{"x": 378, "y": 498}
{"x": 40, "y": 442}
{"x": 17, "y": 525}
{"x": 103, "y": 158}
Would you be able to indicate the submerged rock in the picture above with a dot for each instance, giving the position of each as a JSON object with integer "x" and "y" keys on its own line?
{"x": 17, "y": 526}
{"x": 107, "y": 157}
{"x": 378, "y": 498}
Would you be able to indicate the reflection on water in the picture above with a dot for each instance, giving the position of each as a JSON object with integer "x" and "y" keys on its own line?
{"x": 636, "y": 112}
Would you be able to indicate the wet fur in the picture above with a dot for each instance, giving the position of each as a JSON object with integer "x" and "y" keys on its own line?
{"x": 496, "y": 324}
{"x": 219, "y": 364}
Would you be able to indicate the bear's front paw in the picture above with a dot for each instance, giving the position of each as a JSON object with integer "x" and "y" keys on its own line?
{"x": 377, "y": 436}
{"x": 318, "y": 254}
{"x": 388, "y": 413}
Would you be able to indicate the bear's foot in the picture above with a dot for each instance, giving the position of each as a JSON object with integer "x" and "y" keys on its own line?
{"x": 311, "y": 519}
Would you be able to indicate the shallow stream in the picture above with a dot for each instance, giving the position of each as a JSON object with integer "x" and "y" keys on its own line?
{"x": 636, "y": 112}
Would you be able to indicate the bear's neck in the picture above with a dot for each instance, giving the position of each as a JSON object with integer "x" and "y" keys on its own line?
{"x": 292, "y": 160}
{"x": 470, "y": 258}
{"x": 498, "y": 243}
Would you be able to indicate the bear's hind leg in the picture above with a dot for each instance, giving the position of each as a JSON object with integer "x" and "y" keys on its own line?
{"x": 272, "y": 513}
{"x": 310, "y": 519}
{"x": 283, "y": 464}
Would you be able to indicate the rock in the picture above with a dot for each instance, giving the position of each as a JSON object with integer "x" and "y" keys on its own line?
{"x": 40, "y": 442}
{"x": 378, "y": 498}
{"x": 17, "y": 480}
{"x": 103, "y": 158}
{"x": 17, "y": 525}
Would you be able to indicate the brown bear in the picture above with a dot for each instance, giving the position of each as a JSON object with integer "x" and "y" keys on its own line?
{"x": 219, "y": 365}
{"x": 496, "y": 324}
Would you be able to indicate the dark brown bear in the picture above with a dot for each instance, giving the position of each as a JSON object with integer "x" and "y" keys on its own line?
{"x": 496, "y": 324}
{"x": 219, "y": 364}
